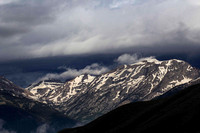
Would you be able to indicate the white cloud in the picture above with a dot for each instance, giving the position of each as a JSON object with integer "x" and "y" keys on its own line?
{"x": 194, "y": 2}
{"x": 42, "y": 129}
{"x": 91, "y": 26}
{"x": 102, "y": 30}
{"x": 127, "y": 59}
{"x": 130, "y": 59}
{"x": 3, "y": 130}
{"x": 117, "y": 3}
{"x": 2, "y": 2}
{"x": 94, "y": 69}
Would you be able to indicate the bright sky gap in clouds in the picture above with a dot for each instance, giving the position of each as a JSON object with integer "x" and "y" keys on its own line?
{"x": 35, "y": 28}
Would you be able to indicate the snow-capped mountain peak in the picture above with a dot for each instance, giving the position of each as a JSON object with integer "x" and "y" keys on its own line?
{"x": 42, "y": 89}
{"x": 91, "y": 96}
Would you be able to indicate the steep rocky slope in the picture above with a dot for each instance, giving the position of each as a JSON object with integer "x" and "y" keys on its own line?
{"x": 178, "y": 113}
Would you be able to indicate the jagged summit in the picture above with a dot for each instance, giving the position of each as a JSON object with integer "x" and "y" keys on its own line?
{"x": 87, "y": 97}
{"x": 40, "y": 90}
{"x": 155, "y": 61}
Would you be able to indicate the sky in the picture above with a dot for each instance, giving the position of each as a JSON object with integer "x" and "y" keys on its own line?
{"x": 35, "y": 28}
{"x": 64, "y": 38}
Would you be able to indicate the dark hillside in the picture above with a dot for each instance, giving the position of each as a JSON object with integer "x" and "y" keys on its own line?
{"x": 179, "y": 113}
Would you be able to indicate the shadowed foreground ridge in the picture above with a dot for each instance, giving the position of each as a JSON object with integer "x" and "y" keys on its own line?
{"x": 19, "y": 114}
{"x": 177, "y": 113}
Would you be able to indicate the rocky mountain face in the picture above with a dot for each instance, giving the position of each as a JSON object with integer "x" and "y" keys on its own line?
{"x": 22, "y": 114}
{"x": 178, "y": 113}
{"x": 44, "y": 90}
{"x": 86, "y": 97}
{"x": 8, "y": 87}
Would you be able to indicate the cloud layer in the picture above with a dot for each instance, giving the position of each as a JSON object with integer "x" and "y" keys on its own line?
{"x": 94, "y": 69}
{"x": 36, "y": 28}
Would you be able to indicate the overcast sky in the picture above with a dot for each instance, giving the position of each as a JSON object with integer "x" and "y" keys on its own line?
{"x": 43, "y": 28}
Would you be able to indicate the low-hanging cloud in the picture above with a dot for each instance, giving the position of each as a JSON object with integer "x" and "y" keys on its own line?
{"x": 94, "y": 69}
{"x": 53, "y": 28}
{"x": 42, "y": 128}
{"x": 3, "y": 130}
{"x": 130, "y": 59}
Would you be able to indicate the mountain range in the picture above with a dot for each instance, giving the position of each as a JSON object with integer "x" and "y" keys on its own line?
{"x": 87, "y": 97}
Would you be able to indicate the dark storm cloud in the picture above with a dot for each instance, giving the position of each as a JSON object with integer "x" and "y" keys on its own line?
{"x": 9, "y": 30}
{"x": 18, "y": 21}
{"x": 20, "y": 16}
{"x": 35, "y": 28}
{"x": 29, "y": 12}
